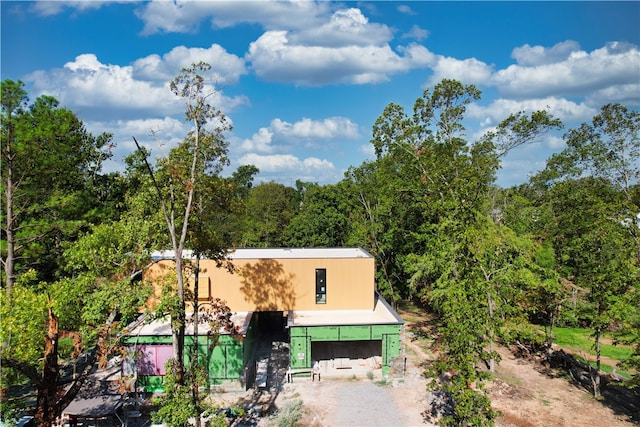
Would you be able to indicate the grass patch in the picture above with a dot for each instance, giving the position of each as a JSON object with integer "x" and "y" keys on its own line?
{"x": 581, "y": 339}
{"x": 410, "y": 312}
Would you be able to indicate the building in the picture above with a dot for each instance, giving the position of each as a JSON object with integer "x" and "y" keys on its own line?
{"x": 321, "y": 302}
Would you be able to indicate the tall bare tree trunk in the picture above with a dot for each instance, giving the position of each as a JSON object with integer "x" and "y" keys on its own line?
{"x": 194, "y": 357}
{"x": 178, "y": 321}
{"x": 9, "y": 262}
{"x": 595, "y": 372}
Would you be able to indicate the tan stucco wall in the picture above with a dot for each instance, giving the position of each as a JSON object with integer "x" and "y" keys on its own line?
{"x": 285, "y": 284}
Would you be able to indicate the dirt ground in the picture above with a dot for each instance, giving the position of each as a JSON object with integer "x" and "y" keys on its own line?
{"x": 360, "y": 400}
{"x": 520, "y": 391}
{"x": 527, "y": 397}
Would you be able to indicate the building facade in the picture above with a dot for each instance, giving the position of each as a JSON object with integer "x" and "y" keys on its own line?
{"x": 322, "y": 302}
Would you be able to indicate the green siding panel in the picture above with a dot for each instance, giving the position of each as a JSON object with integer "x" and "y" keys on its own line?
{"x": 325, "y": 333}
{"x": 298, "y": 331}
{"x": 225, "y": 363}
{"x": 147, "y": 340}
{"x": 379, "y": 330}
{"x": 355, "y": 333}
{"x": 300, "y": 352}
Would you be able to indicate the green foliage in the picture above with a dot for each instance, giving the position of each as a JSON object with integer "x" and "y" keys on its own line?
{"x": 322, "y": 219}
{"x": 176, "y": 405}
{"x": 560, "y": 250}
{"x": 465, "y": 393}
{"x": 183, "y": 400}
{"x": 521, "y": 331}
{"x": 631, "y": 335}
{"x": 590, "y": 198}
{"x": 24, "y": 322}
{"x": 270, "y": 208}
{"x": 65, "y": 347}
{"x": 51, "y": 166}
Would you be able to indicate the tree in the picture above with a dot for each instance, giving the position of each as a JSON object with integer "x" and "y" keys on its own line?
{"x": 322, "y": 220}
{"x": 103, "y": 282}
{"x": 14, "y": 99}
{"x": 49, "y": 165}
{"x": 459, "y": 261}
{"x": 270, "y": 208}
{"x": 50, "y": 180}
{"x": 103, "y": 271}
{"x": 607, "y": 148}
{"x": 546, "y": 292}
{"x": 243, "y": 179}
{"x": 202, "y": 152}
{"x": 595, "y": 232}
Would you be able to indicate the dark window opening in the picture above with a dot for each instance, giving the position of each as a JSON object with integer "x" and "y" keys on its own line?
{"x": 321, "y": 285}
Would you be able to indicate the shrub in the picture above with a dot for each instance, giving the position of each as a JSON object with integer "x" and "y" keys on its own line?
{"x": 289, "y": 416}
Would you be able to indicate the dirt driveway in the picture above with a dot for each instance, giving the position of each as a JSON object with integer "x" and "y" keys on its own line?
{"x": 360, "y": 400}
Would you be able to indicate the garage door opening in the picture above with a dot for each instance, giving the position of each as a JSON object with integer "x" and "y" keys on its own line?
{"x": 347, "y": 355}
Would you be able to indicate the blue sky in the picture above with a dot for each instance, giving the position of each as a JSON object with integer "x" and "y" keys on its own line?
{"x": 303, "y": 82}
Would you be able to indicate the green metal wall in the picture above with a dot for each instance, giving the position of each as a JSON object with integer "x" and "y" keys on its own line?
{"x": 303, "y": 336}
{"x": 225, "y": 359}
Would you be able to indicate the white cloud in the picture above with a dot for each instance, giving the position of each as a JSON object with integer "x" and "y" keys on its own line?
{"x": 368, "y": 150}
{"x": 85, "y": 83}
{"x": 50, "y": 8}
{"x": 159, "y": 135}
{"x": 346, "y": 27}
{"x": 529, "y": 56}
{"x": 260, "y": 141}
{"x": 274, "y": 58}
{"x": 329, "y": 128}
{"x": 227, "y": 68}
{"x": 578, "y": 75}
{"x": 555, "y": 142}
{"x": 95, "y": 90}
{"x": 167, "y": 129}
{"x": 186, "y": 16}
{"x": 416, "y": 33}
{"x": 280, "y": 135}
{"x": 468, "y": 71}
{"x": 403, "y": 8}
{"x": 306, "y": 43}
{"x": 516, "y": 171}
{"x": 500, "y": 109}
{"x": 285, "y": 162}
{"x": 285, "y": 168}
{"x": 172, "y": 16}
{"x": 626, "y": 94}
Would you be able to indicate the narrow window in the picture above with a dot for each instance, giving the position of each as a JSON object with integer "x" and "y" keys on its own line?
{"x": 321, "y": 285}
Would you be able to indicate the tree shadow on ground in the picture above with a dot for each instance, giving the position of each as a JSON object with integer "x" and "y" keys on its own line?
{"x": 267, "y": 286}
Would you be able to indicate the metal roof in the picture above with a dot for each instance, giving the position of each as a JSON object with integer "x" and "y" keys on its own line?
{"x": 279, "y": 253}
{"x": 282, "y": 253}
{"x": 162, "y": 327}
{"x": 382, "y": 314}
